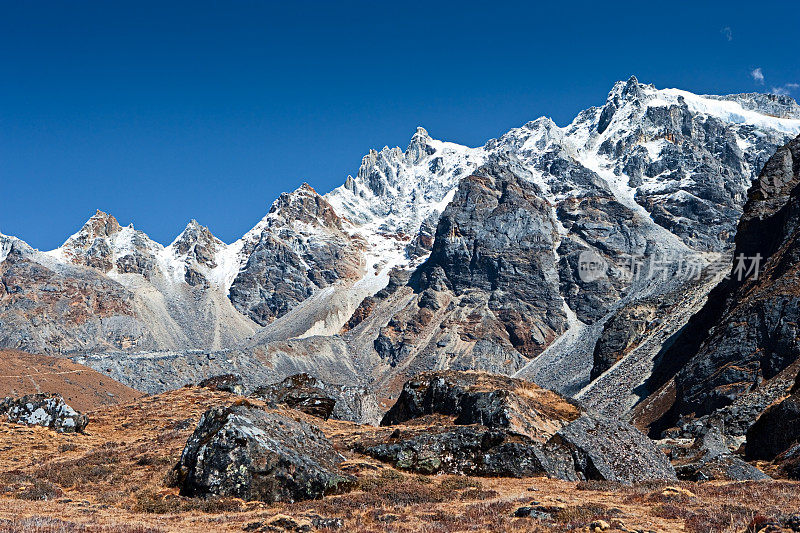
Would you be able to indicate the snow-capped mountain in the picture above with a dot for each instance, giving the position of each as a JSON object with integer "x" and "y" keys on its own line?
{"x": 415, "y": 274}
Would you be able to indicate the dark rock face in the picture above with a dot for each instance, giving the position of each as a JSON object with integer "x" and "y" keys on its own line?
{"x": 775, "y": 431}
{"x": 710, "y": 458}
{"x": 620, "y": 333}
{"x": 789, "y": 462}
{"x": 225, "y": 382}
{"x": 48, "y": 410}
{"x": 497, "y": 237}
{"x": 745, "y": 335}
{"x": 610, "y": 450}
{"x": 315, "y": 397}
{"x": 301, "y": 248}
{"x": 490, "y": 400}
{"x": 248, "y": 453}
{"x": 467, "y": 450}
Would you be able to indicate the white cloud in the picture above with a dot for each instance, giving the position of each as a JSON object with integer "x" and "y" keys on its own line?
{"x": 785, "y": 89}
{"x": 727, "y": 32}
{"x": 758, "y": 75}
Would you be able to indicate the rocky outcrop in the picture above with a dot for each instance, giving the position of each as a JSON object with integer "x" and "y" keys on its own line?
{"x": 462, "y": 450}
{"x": 104, "y": 245}
{"x": 246, "y": 452}
{"x": 621, "y": 333}
{"x": 298, "y": 248}
{"x": 298, "y": 392}
{"x": 224, "y": 382}
{"x": 47, "y": 410}
{"x": 497, "y": 237}
{"x": 198, "y": 249}
{"x": 50, "y": 310}
{"x": 494, "y": 401}
{"x": 709, "y": 457}
{"x": 494, "y": 418}
{"x": 789, "y": 463}
{"x": 744, "y": 337}
{"x": 776, "y": 430}
{"x": 315, "y": 397}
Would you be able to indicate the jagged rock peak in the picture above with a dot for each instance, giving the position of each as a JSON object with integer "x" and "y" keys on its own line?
{"x": 780, "y": 176}
{"x": 305, "y": 205}
{"x": 419, "y": 146}
{"x": 9, "y": 244}
{"x": 195, "y": 235}
{"x": 628, "y": 90}
{"x": 101, "y": 224}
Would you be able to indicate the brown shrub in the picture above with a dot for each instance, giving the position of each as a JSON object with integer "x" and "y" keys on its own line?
{"x": 153, "y": 503}
{"x": 453, "y": 483}
{"x": 600, "y": 485}
{"x": 24, "y": 487}
{"x": 575, "y": 516}
{"x": 478, "y": 494}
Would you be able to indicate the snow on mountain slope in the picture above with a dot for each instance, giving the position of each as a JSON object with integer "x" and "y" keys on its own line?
{"x": 396, "y": 194}
{"x": 394, "y": 191}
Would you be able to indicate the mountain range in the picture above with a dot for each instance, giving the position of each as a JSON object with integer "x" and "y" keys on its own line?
{"x": 594, "y": 259}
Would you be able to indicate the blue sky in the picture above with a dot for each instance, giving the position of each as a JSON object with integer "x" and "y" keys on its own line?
{"x": 163, "y": 113}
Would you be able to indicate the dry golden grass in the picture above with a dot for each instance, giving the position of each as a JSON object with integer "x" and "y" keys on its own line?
{"x": 113, "y": 479}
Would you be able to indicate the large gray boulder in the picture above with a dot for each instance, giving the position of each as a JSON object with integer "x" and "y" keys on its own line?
{"x": 325, "y": 400}
{"x": 606, "y": 449}
{"x": 225, "y": 383}
{"x": 249, "y": 453}
{"x": 47, "y": 410}
{"x": 491, "y": 400}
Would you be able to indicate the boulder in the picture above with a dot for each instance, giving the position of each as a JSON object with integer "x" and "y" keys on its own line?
{"x": 226, "y": 383}
{"x": 318, "y": 398}
{"x": 253, "y": 454}
{"x": 491, "y": 400}
{"x": 611, "y": 450}
{"x": 463, "y": 450}
{"x": 507, "y": 416}
{"x": 710, "y": 458}
{"x": 48, "y": 410}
